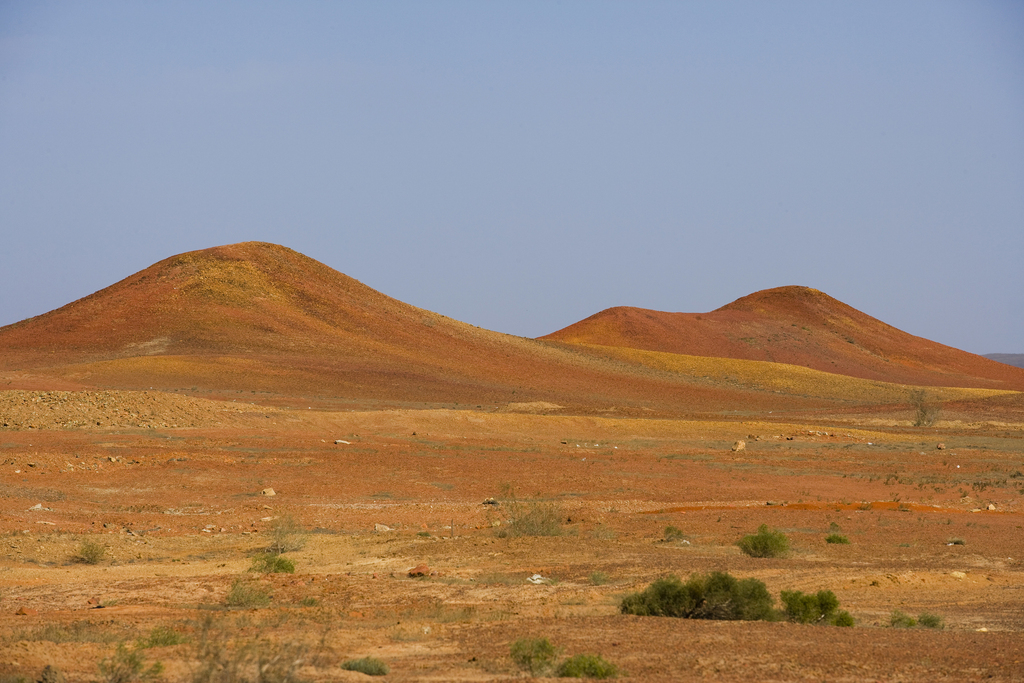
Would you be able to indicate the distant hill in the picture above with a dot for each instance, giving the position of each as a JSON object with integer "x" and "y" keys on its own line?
{"x": 262, "y": 319}
{"x": 260, "y": 322}
{"x": 799, "y": 326}
{"x": 1014, "y": 359}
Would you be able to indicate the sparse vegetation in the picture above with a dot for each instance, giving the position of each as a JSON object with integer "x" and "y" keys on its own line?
{"x": 528, "y": 518}
{"x": 900, "y": 620}
{"x": 713, "y": 596}
{"x": 535, "y": 655}
{"x": 161, "y": 636}
{"x": 247, "y": 594}
{"x": 286, "y": 536}
{"x": 673, "y": 534}
{"x": 371, "y": 666}
{"x": 587, "y": 666}
{"x": 924, "y": 413}
{"x": 90, "y": 552}
{"x": 599, "y": 578}
{"x": 128, "y": 666}
{"x": 765, "y": 543}
{"x": 837, "y": 539}
{"x": 270, "y": 563}
{"x": 75, "y": 632}
{"x": 220, "y": 658}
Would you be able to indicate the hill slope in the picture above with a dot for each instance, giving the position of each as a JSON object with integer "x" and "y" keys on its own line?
{"x": 798, "y": 326}
{"x": 258, "y": 317}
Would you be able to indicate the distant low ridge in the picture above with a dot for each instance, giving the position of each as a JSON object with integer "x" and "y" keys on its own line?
{"x": 799, "y": 326}
{"x": 1014, "y": 359}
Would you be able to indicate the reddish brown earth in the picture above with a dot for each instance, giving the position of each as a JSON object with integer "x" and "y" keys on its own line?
{"x": 277, "y": 372}
{"x": 798, "y": 326}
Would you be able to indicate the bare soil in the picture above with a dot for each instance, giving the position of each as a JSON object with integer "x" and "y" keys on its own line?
{"x": 170, "y": 486}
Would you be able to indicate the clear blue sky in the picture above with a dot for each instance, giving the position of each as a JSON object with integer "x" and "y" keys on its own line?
{"x": 522, "y": 165}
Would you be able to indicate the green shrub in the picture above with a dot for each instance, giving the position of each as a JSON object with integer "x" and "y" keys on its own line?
{"x": 927, "y": 620}
{"x": 587, "y": 666}
{"x": 90, "y": 552}
{"x": 842, "y": 618}
{"x": 810, "y": 608}
{"x": 715, "y": 596}
{"x": 371, "y": 666}
{"x": 900, "y": 620}
{"x": 673, "y": 534}
{"x": 765, "y": 543}
{"x": 599, "y": 578}
{"x": 128, "y": 666}
{"x": 837, "y": 538}
{"x": 162, "y": 636}
{"x": 536, "y": 655}
{"x": 269, "y": 563}
{"x": 247, "y": 594}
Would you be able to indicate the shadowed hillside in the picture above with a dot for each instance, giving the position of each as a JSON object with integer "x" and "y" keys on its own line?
{"x": 798, "y": 326}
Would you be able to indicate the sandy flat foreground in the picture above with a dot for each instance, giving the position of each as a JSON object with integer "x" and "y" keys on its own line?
{"x": 172, "y": 493}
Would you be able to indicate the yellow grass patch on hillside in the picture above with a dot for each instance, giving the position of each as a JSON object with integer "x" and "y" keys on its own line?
{"x": 787, "y": 379}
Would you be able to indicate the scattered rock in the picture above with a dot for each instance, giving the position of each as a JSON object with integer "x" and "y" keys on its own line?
{"x": 419, "y": 570}
{"x": 380, "y": 528}
{"x": 340, "y": 441}
{"x": 93, "y": 602}
{"x": 37, "y": 506}
{"x": 538, "y": 579}
{"x": 268, "y": 492}
{"x": 490, "y": 501}
{"x": 771, "y": 503}
{"x": 991, "y": 506}
{"x": 959, "y": 576}
{"x": 941, "y": 447}
{"x": 739, "y": 445}
{"x": 27, "y": 612}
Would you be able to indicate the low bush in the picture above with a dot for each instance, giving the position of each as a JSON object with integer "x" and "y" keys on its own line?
{"x": 90, "y": 552}
{"x": 162, "y": 636}
{"x": 535, "y": 655}
{"x": 587, "y": 666}
{"x": 286, "y": 536}
{"x": 599, "y": 578}
{"x": 837, "y": 539}
{"x": 529, "y": 519}
{"x": 765, "y": 543}
{"x": 219, "y": 655}
{"x": 814, "y": 608}
{"x": 927, "y": 620}
{"x": 269, "y": 563}
{"x": 371, "y": 666}
{"x": 900, "y": 620}
{"x": 247, "y": 594}
{"x": 713, "y": 596}
{"x": 128, "y": 666}
{"x": 673, "y": 534}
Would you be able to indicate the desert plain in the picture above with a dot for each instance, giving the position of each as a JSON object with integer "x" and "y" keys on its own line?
{"x": 158, "y": 437}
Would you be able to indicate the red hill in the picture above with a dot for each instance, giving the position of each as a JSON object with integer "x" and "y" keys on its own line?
{"x": 798, "y": 326}
{"x": 258, "y": 317}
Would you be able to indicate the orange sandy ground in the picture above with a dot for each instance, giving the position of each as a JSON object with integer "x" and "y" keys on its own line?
{"x": 180, "y": 513}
